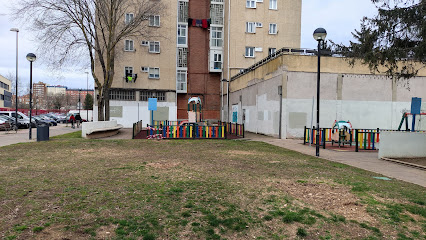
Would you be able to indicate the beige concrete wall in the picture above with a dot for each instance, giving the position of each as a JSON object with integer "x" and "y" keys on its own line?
{"x": 165, "y": 60}
{"x": 8, "y": 82}
{"x": 288, "y": 20}
{"x": 303, "y": 63}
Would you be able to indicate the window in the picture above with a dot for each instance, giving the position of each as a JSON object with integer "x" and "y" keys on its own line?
{"x": 123, "y": 95}
{"x": 250, "y": 52}
{"x": 272, "y": 4}
{"x": 144, "y": 95}
{"x": 144, "y": 69}
{"x": 4, "y": 85}
{"x": 250, "y": 3}
{"x": 181, "y": 81}
{"x": 154, "y": 73}
{"x": 128, "y": 71}
{"x": 216, "y": 36}
{"x": 128, "y": 45}
{"x": 216, "y": 14}
{"x": 129, "y": 18}
{"x": 250, "y": 27}
{"x": 154, "y": 47}
{"x": 181, "y": 35}
{"x": 217, "y": 61}
{"x": 183, "y": 11}
{"x": 154, "y": 21}
{"x": 271, "y": 51}
{"x": 273, "y": 28}
{"x": 182, "y": 57}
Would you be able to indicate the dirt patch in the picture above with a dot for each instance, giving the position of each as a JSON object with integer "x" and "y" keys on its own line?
{"x": 329, "y": 197}
{"x": 163, "y": 165}
{"x": 106, "y": 232}
{"x": 58, "y": 233}
{"x": 239, "y": 152}
{"x": 417, "y": 161}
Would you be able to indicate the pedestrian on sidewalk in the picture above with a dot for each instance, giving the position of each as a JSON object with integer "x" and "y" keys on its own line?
{"x": 72, "y": 120}
{"x": 78, "y": 119}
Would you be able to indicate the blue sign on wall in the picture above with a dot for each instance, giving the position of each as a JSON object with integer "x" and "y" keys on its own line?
{"x": 152, "y": 104}
{"x": 416, "y": 105}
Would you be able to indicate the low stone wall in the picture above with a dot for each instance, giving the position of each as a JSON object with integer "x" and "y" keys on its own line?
{"x": 90, "y": 127}
{"x": 402, "y": 144}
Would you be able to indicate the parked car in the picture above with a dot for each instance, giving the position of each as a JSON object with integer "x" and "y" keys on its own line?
{"x": 11, "y": 121}
{"x": 4, "y": 125}
{"x": 41, "y": 120}
{"x": 22, "y": 118}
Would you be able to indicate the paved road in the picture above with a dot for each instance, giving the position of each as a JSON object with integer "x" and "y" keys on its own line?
{"x": 12, "y": 137}
{"x": 364, "y": 160}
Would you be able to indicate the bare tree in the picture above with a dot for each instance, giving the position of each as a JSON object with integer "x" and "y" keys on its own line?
{"x": 93, "y": 28}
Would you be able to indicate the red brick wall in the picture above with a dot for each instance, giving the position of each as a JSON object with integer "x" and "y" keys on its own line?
{"x": 201, "y": 82}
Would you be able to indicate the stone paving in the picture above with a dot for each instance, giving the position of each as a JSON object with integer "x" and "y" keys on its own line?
{"x": 365, "y": 160}
{"x": 13, "y": 137}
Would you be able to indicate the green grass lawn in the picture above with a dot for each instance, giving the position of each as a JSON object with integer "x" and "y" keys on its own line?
{"x": 72, "y": 188}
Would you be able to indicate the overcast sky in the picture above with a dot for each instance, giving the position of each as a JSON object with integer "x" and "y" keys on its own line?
{"x": 338, "y": 17}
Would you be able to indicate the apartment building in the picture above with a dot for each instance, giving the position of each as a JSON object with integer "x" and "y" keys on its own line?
{"x": 5, "y": 92}
{"x": 255, "y": 29}
{"x": 199, "y": 43}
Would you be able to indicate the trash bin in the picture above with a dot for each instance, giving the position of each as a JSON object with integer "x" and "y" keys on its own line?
{"x": 42, "y": 133}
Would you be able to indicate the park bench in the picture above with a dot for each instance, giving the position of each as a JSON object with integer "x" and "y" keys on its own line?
{"x": 94, "y": 130}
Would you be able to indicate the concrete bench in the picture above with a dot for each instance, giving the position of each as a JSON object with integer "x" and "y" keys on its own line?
{"x": 101, "y": 129}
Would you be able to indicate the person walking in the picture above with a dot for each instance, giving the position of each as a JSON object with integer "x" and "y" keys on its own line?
{"x": 78, "y": 119}
{"x": 72, "y": 120}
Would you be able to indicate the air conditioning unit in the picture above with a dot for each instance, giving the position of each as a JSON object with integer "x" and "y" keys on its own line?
{"x": 145, "y": 43}
{"x": 144, "y": 69}
{"x": 259, "y": 24}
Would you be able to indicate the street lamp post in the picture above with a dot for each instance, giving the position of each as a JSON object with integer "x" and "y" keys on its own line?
{"x": 87, "y": 91}
{"x": 16, "y": 86}
{"x": 79, "y": 102}
{"x": 319, "y": 35}
{"x": 31, "y": 57}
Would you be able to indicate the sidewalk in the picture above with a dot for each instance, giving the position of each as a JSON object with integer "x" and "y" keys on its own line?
{"x": 12, "y": 137}
{"x": 365, "y": 160}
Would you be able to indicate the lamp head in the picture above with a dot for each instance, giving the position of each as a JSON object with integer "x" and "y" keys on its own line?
{"x": 31, "y": 57}
{"x": 320, "y": 34}
{"x": 14, "y": 30}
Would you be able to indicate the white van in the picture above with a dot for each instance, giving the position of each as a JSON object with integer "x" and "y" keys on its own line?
{"x": 22, "y": 118}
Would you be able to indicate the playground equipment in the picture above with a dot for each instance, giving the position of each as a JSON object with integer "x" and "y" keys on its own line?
{"x": 416, "y": 104}
{"x": 341, "y": 133}
{"x": 194, "y": 104}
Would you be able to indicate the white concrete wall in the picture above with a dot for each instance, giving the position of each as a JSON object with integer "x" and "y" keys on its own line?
{"x": 402, "y": 144}
{"x": 130, "y": 112}
{"x": 367, "y": 101}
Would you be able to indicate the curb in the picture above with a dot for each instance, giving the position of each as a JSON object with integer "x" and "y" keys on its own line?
{"x": 405, "y": 163}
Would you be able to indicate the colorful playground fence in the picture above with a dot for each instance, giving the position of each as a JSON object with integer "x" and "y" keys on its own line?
{"x": 310, "y": 136}
{"x": 186, "y": 132}
{"x": 366, "y": 139}
{"x": 137, "y": 128}
{"x": 236, "y": 129}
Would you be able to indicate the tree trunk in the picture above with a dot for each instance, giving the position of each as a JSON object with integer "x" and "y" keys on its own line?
{"x": 101, "y": 110}
{"x": 106, "y": 102}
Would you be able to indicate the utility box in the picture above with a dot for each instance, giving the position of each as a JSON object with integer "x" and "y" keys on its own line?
{"x": 43, "y": 133}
